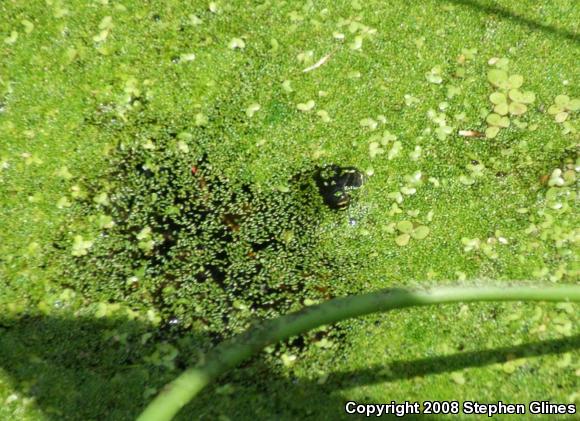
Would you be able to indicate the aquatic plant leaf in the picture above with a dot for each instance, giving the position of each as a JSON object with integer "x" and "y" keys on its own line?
{"x": 517, "y": 108}
{"x": 501, "y": 109}
{"x": 573, "y": 105}
{"x": 515, "y": 81}
{"x": 498, "y": 77}
{"x": 402, "y": 240}
{"x": 405, "y": 226}
{"x": 237, "y": 43}
{"x": 306, "y": 106}
{"x": 420, "y": 232}
{"x": 561, "y": 117}
{"x": 497, "y": 120}
{"x": 562, "y": 101}
{"x": 491, "y": 132}
{"x": 498, "y": 98}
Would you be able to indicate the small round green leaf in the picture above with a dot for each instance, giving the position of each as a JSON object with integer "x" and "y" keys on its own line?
{"x": 498, "y": 78}
{"x": 517, "y": 108}
{"x": 493, "y": 119}
{"x": 502, "y": 63}
{"x": 402, "y": 240}
{"x": 498, "y": 98}
{"x": 491, "y": 132}
{"x": 515, "y": 95}
{"x": 405, "y": 226}
{"x": 420, "y": 232}
{"x": 528, "y": 97}
{"x": 466, "y": 180}
{"x": 561, "y": 117}
{"x": 574, "y": 105}
{"x": 504, "y": 122}
{"x": 562, "y": 101}
{"x": 501, "y": 109}
{"x": 515, "y": 81}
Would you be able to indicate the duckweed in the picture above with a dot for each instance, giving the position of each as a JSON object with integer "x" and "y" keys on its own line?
{"x": 106, "y": 112}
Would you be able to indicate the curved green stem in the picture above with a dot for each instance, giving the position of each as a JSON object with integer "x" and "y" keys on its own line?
{"x": 232, "y": 352}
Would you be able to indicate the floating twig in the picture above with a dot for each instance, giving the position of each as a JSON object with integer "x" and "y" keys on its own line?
{"x": 471, "y": 133}
{"x": 318, "y": 63}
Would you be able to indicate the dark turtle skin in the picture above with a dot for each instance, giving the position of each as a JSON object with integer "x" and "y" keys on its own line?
{"x": 335, "y": 182}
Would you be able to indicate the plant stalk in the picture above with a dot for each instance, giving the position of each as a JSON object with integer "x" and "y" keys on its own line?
{"x": 232, "y": 352}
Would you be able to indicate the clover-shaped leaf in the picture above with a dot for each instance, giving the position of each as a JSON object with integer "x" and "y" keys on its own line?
{"x": 63, "y": 172}
{"x": 200, "y": 119}
{"x": 102, "y": 199}
{"x": 434, "y": 76}
{"x": 556, "y": 178}
{"x": 409, "y": 230}
{"x": 396, "y": 196}
{"x": 375, "y": 149}
{"x": 562, "y": 106}
{"x": 252, "y": 109}
{"x": 80, "y": 246}
{"x": 410, "y": 100}
{"x": 466, "y": 180}
{"x": 395, "y": 150}
{"x": 357, "y": 43}
{"x": 452, "y": 91}
{"x": 522, "y": 97}
{"x": 105, "y": 221}
{"x": 500, "y": 63}
{"x": 443, "y": 131}
{"x": 145, "y": 233}
{"x": 476, "y": 170}
{"x": 414, "y": 179}
{"x": 306, "y": 106}
{"x": 387, "y": 137}
{"x": 286, "y": 86}
{"x": 323, "y": 114}
{"x": 369, "y": 122}
{"x": 470, "y": 244}
{"x": 467, "y": 54}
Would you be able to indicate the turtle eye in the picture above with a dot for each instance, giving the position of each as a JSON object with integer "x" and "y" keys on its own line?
{"x": 343, "y": 202}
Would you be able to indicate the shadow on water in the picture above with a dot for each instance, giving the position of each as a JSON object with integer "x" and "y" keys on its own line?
{"x": 504, "y": 13}
{"x": 94, "y": 369}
